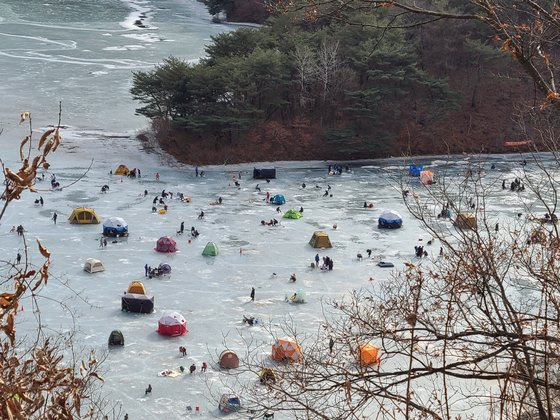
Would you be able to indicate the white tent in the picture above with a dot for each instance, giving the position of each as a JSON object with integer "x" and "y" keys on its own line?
{"x": 93, "y": 266}
{"x": 115, "y": 222}
{"x": 172, "y": 318}
{"x": 390, "y": 215}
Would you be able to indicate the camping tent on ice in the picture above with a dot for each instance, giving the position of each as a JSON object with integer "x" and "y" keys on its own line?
{"x": 115, "y": 226}
{"x": 427, "y": 177}
{"x": 320, "y": 239}
{"x": 414, "y": 170}
{"x": 292, "y": 214}
{"x": 164, "y": 269}
{"x": 263, "y": 172}
{"x": 138, "y": 303}
{"x": 368, "y": 354}
{"x": 136, "y": 287}
{"x": 298, "y": 297}
{"x": 466, "y": 221}
{"x": 172, "y": 324}
{"x": 210, "y": 250}
{"x": 389, "y": 220}
{"x": 229, "y": 360}
{"x": 83, "y": 216}
{"x": 286, "y": 349}
{"x": 278, "y": 199}
{"x": 93, "y": 266}
{"x": 116, "y": 338}
{"x": 122, "y": 170}
{"x": 229, "y": 403}
{"x": 166, "y": 244}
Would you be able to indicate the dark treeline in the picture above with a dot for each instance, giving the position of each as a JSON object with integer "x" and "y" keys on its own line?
{"x": 351, "y": 90}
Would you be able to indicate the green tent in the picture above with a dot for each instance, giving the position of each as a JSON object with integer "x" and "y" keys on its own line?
{"x": 292, "y": 214}
{"x": 210, "y": 250}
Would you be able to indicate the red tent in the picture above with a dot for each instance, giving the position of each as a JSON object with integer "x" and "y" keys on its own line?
{"x": 173, "y": 324}
{"x": 166, "y": 244}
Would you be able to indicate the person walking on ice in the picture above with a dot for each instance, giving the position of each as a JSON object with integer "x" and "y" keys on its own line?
{"x": 252, "y": 294}
{"x": 54, "y": 217}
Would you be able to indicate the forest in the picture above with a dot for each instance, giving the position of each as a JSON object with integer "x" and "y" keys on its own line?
{"x": 325, "y": 88}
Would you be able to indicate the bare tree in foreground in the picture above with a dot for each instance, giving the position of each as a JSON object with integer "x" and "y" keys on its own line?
{"x": 471, "y": 331}
{"x": 40, "y": 377}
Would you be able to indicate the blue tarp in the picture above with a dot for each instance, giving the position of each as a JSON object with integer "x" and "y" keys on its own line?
{"x": 414, "y": 170}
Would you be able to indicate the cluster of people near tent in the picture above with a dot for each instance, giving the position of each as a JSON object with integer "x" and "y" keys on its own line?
{"x": 337, "y": 169}
{"x": 420, "y": 252}
{"x": 327, "y": 263}
{"x": 54, "y": 183}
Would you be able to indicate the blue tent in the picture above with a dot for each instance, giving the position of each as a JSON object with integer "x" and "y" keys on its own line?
{"x": 115, "y": 226}
{"x": 278, "y": 199}
{"x": 389, "y": 220}
{"x": 414, "y": 170}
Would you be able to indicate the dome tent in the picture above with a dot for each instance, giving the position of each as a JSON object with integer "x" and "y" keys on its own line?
{"x": 292, "y": 214}
{"x": 228, "y": 360}
{"x": 466, "y": 221}
{"x": 137, "y": 303}
{"x": 136, "y": 287}
{"x": 172, "y": 324}
{"x": 427, "y": 177}
{"x": 164, "y": 268}
{"x": 278, "y": 199}
{"x": 414, "y": 170}
{"x": 93, "y": 266}
{"x": 84, "y": 216}
{"x": 286, "y": 350}
{"x": 122, "y": 170}
{"x": 166, "y": 244}
{"x": 116, "y": 338}
{"x": 368, "y": 354}
{"x": 229, "y": 403}
{"x": 389, "y": 220}
{"x": 115, "y": 226}
{"x": 210, "y": 250}
{"x": 320, "y": 239}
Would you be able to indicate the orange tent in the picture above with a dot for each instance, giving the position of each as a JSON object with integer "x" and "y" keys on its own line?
{"x": 137, "y": 287}
{"x": 286, "y": 349}
{"x": 368, "y": 355}
{"x": 427, "y": 177}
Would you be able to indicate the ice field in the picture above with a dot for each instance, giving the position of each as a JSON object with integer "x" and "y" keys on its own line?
{"x": 211, "y": 292}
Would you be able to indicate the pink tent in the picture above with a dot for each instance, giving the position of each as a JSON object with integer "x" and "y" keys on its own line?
{"x": 166, "y": 244}
{"x": 172, "y": 324}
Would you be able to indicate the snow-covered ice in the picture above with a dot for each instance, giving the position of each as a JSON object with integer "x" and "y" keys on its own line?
{"x": 211, "y": 292}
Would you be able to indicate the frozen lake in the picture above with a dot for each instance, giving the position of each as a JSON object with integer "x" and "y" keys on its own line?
{"x": 211, "y": 292}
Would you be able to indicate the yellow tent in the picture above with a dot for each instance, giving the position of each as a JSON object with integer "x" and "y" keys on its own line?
{"x": 466, "y": 221}
{"x": 320, "y": 239}
{"x": 84, "y": 215}
{"x": 122, "y": 170}
{"x": 137, "y": 287}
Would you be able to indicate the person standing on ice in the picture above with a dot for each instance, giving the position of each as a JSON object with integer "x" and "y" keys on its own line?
{"x": 253, "y": 294}
{"x": 18, "y": 258}
{"x": 182, "y": 228}
{"x": 41, "y": 201}
{"x": 54, "y": 217}
{"x": 196, "y": 171}
{"x": 317, "y": 259}
{"x": 192, "y": 369}
{"x": 146, "y": 270}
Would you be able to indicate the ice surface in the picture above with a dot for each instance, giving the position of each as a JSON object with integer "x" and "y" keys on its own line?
{"x": 211, "y": 292}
